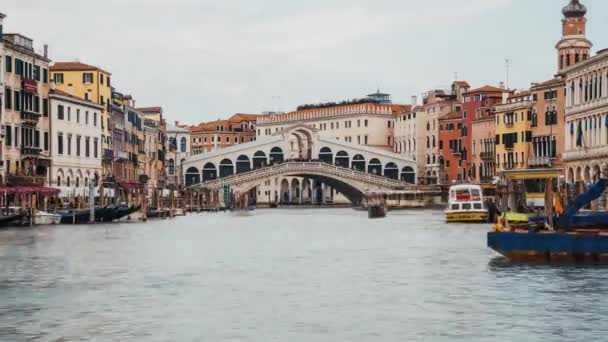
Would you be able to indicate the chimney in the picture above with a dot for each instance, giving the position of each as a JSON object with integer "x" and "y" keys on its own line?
{"x": 46, "y": 50}
{"x": 414, "y": 101}
{"x": 501, "y": 85}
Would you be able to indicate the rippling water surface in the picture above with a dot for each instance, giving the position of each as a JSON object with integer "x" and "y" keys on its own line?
{"x": 287, "y": 275}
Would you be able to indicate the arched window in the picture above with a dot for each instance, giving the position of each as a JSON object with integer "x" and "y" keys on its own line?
{"x": 58, "y": 180}
{"x": 171, "y": 166}
{"x": 183, "y": 145}
{"x": 68, "y": 181}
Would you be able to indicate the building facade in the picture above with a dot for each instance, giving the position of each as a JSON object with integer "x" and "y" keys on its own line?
{"x": 514, "y": 132}
{"x": 75, "y": 144}
{"x": 25, "y": 116}
{"x": 548, "y": 124}
{"x": 210, "y": 136}
{"x": 154, "y": 146}
{"x": 178, "y": 149}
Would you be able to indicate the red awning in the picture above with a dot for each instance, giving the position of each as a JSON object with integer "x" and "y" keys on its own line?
{"x": 28, "y": 190}
{"x": 129, "y": 185}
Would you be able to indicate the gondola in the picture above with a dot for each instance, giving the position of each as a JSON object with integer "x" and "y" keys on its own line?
{"x": 102, "y": 214}
{"x": 7, "y": 220}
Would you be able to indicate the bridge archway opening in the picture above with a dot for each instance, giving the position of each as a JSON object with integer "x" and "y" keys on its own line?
{"x": 374, "y": 167}
{"x": 243, "y": 164}
{"x": 305, "y": 142}
{"x": 276, "y": 155}
{"x": 408, "y": 175}
{"x": 342, "y": 159}
{"x": 259, "y": 160}
{"x": 326, "y": 155}
{"x": 193, "y": 176}
{"x": 391, "y": 170}
{"x": 226, "y": 168}
{"x": 358, "y": 163}
{"x": 285, "y": 191}
{"x": 209, "y": 172}
{"x": 295, "y": 191}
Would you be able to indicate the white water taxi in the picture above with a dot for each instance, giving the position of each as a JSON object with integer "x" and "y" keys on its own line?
{"x": 465, "y": 204}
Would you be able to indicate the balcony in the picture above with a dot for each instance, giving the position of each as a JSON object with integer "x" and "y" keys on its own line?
{"x": 28, "y": 151}
{"x": 487, "y": 156}
{"x": 25, "y": 180}
{"x": 108, "y": 154}
{"x": 122, "y": 156}
{"x": 540, "y": 162}
{"x": 30, "y": 118}
{"x": 590, "y": 153}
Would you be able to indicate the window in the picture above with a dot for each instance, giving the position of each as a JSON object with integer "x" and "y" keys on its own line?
{"x": 108, "y": 79}
{"x": 60, "y": 143}
{"x": 77, "y": 115}
{"x": 358, "y": 123}
{"x": 37, "y": 74}
{"x": 100, "y": 78}
{"x": 8, "y": 136}
{"x": 58, "y": 78}
{"x": 86, "y": 117}
{"x": 45, "y": 107}
{"x": 95, "y": 119}
{"x": 87, "y": 78}
{"x": 8, "y": 64}
{"x": 60, "y": 113}
{"x": 366, "y": 140}
{"x": 69, "y": 143}
{"x": 87, "y": 147}
{"x": 78, "y": 144}
{"x": 17, "y": 100}
{"x": 19, "y": 70}
{"x": 183, "y": 144}
{"x": 45, "y": 75}
{"x": 69, "y": 113}
{"x": 8, "y": 98}
{"x": 95, "y": 147}
{"x": 46, "y": 141}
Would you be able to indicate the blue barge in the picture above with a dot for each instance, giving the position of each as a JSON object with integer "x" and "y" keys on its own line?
{"x": 568, "y": 237}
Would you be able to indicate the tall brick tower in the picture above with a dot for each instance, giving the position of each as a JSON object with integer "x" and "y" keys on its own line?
{"x": 574, "y": 46}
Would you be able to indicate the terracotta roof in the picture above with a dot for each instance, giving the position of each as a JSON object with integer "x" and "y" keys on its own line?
{"x": 522, "y": 94}
{"x": 554, "y": 81}
{"x": 77, "y": 98}
{"x": 486, "y": 88}
{"x": 462, "y": 83}
{"x": 75, "y": 66}
{"x": 150, "y": 109}
{"x": 452, "y": 116}
{"x": 238, "y": 117}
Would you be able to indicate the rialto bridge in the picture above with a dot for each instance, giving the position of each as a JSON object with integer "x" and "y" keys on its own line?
{"x": 297, "y": 166}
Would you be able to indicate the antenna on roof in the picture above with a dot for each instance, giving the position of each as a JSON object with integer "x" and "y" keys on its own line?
{"x": 507, "y": 67}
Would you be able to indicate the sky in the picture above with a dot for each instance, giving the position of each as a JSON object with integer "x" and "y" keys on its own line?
{"x": 202, "y": 60}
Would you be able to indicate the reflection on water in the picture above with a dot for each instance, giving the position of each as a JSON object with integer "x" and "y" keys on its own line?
{"x": 287, "y": 275}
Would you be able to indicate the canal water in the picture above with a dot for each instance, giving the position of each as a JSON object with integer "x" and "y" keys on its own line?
{"x": 287, "y": 275}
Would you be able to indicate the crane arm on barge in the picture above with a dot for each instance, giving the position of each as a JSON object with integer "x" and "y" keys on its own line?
{"x": 594, "y": 192}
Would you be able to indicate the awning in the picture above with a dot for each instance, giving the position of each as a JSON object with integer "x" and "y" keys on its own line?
{"x": 532, "y": 174}
{"x": 28, "y": 190}
{"x": 130, "y": 185}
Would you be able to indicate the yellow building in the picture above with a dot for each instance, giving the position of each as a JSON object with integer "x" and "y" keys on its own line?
{"x": 514, "y": 132}
{"x": 90, "y": 83}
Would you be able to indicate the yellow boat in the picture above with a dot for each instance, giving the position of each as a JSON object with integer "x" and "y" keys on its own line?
{"x": 465, "y": 204}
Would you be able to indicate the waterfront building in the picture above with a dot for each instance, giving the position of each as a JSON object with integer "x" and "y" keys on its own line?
{"x": 210, "y": 136}
{"x": 514, "y": 132}
{"x": 90, "y": 83}
{"x": 116, "y": 156}
{"x": 409, "y": 134}
{"x": 154, "y": 146}
{"x": 75, "y": 144}
{"x": 25, "y": 114}
{"x": 437, "y": 104}
{"x": 483, "y": 134}
{"x": 134, "y": 146}
{"x": 178, "y": 149}
{"x": 477, "y": 103}
{"x": 548, "y": 124}
{"x": 586, "y": 128}
{"x": 361, "y": 122}
{"x": 451, "y": 149}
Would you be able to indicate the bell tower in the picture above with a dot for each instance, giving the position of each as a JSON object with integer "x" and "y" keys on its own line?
{"x": 574, "y": 47}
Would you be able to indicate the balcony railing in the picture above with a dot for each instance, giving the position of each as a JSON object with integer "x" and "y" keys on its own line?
{"x": 122, "y": 156}
{"x": 487, "y": 156}
{"x": 108, "y": 154}
{"x": 30, "y": 118}
{"x": 25, "y": 180}
{"x": 28, "y": 151}
{"x": 540, "y": 161}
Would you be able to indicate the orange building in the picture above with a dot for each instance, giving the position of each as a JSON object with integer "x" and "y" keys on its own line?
{"x": 209, "y": 136}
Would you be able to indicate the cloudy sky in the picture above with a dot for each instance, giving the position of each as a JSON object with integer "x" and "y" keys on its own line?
{"x": 202, "y": 59}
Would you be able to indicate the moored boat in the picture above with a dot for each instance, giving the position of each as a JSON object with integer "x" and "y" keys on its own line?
{"x": 465, "y": 204}
{"x": 567, "y": 236}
